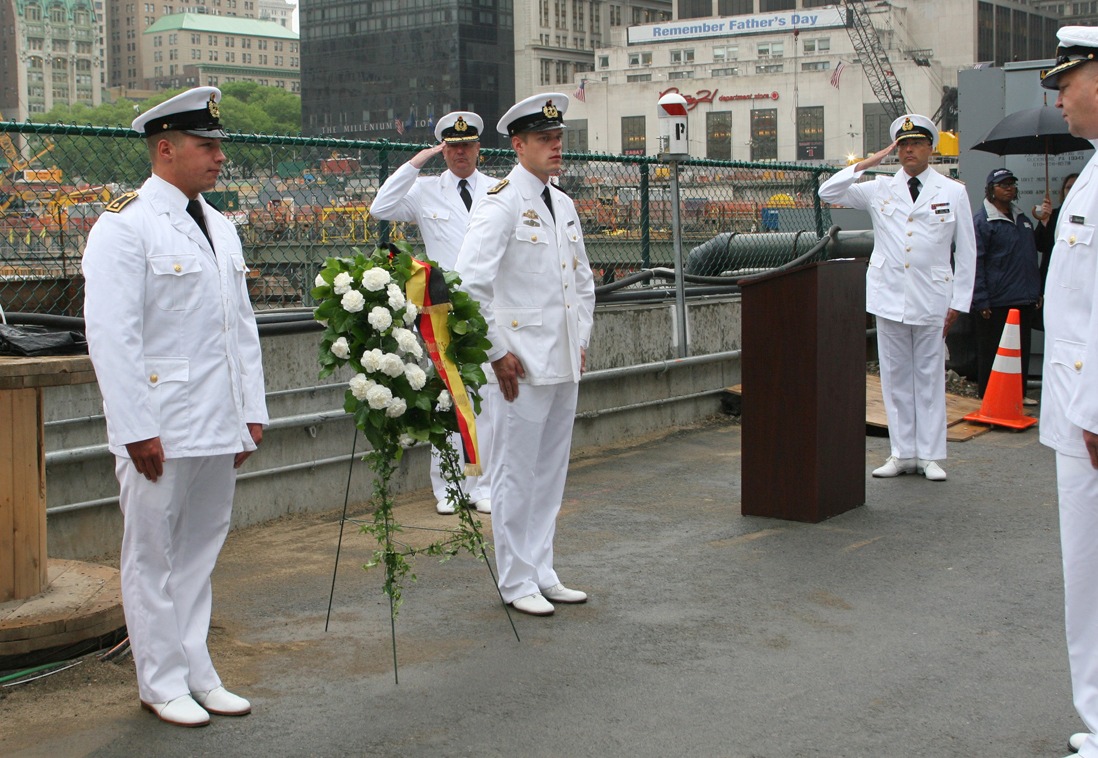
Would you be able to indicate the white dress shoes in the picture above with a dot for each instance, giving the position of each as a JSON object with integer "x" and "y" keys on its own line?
{"x": 558, "y": 593}
{"x": 484, "y": 505}
{"x": 219, "y": 701}
{"x": 894, "y": 467}
{"x": 1075, "y": 741}
{"x": 445, "y": 508}
{"x": 931, "y": 470}
{"x": 182, "y": 711}
{"x": 535, "y": 605}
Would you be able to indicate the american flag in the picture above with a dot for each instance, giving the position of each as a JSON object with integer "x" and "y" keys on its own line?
{"x": 581, "y": 92}
{"x": 837, "y": 74}
{"x": 400, "y": 126}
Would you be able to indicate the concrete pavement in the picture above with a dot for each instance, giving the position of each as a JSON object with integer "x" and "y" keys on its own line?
{"x": 926, "y": 623}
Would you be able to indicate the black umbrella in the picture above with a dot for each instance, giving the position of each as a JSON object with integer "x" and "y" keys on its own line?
{"x": 1034, "y": 131}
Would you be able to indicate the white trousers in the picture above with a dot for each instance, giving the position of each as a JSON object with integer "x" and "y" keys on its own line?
{"x": 1077, "y": 486}
{"x": 174, "y": 530}
{"x": 529, "y": 465}
{"x": 913, "y": 384}
{"x": 476, "y": 487}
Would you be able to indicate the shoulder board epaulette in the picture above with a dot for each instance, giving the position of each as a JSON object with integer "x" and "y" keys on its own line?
{"x": 495, "y": 190}
{"x": 120, "y": 202}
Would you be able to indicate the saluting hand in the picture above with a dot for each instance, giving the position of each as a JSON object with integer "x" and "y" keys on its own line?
{"x": 876, "y": 158}
{"x": 419, "y": 160}
{"x": 508, "y": 372}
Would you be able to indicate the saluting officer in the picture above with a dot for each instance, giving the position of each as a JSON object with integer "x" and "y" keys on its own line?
{"x": 524, "y": 261}
{"x": 176, "y": 351}
{"x": 441, "y": 205}
{"x": 917, "y": 215}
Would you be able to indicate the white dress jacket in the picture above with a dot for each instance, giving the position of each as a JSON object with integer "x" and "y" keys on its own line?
{"x": 170, "y": 327}
{"x": 531, "y": 276}
{"x": 910, "y": 279}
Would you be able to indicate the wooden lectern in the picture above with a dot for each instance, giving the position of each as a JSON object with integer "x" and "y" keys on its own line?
{"x": 804, "y": 392}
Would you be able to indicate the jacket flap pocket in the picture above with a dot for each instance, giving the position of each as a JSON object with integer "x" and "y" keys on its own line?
{"x": 1067, "y": 353}
{"x": 174, "y": 265}
{"x": 160, "y": 370}
{"x": 517, "y": 318}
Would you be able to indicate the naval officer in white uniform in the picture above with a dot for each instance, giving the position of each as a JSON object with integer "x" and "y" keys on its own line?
{"x": 918, "y": 216}
{"x": 440, "y": 205}
{"x": 524, "y": 261}
{"x": 1069, "y": 391}
{"x": 176, "y": 351}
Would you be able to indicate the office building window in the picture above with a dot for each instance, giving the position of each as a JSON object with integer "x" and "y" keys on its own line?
{"x": 764, "y": 134}
{"x": 718, "y": 135}
{"x": 633, "y": 138}
{"x": 810, "y": 133}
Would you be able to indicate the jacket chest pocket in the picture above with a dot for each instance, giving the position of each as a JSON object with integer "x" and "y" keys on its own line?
{"x": 1075, "y": 249}
{"x": 942, "y": 225}
{"x": 176, "y": 281}
{"x": 531, "y": 248}
{"x": 440, "y": 216}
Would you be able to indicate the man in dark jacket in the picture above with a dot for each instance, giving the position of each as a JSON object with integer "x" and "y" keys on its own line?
{"x": 1007, "y": 275}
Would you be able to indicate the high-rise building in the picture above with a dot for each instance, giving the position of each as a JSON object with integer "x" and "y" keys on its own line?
{"x": 279, "y": 11}
{"x": 127, "y": 20}
{"x": 795, "y": 80}
{"x": 196, "y": 50}
{"x": 49, "y": 55}
{"x": 1071, "y": 12}
{"x": 385, "y": 69}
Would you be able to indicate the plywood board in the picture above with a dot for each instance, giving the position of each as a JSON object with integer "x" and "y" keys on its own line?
{"x": 957, "y": 407}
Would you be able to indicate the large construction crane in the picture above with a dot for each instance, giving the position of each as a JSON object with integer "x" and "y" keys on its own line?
{"x": 874, "y": 59}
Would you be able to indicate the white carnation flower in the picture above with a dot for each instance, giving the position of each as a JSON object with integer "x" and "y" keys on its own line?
{"x": 360, "y": 386}
{"x": 353, "y": 301}
{"x": 415, "y": 375}
{"x": 342, "y": 283}
{"x": 407, "y": 342}
{"x": 391, "y": 365}
{"x": 380, "y": 318}
{"x": 371, "y": 360}
{"x": 379, "y": 396}
{"x": 410, "y": 313}
{"x": 406, "y": 440}
{"x": 319, "y": 281}
{"x": 396, "y": 296}
{"x": 396, "y": 408}
{"x": 445, "y": 402}
{"x": 340, "y": 348}
{"x": 375, "y": 279}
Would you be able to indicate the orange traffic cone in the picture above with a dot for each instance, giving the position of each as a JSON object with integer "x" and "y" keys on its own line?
{"x": 1002, "y": 404}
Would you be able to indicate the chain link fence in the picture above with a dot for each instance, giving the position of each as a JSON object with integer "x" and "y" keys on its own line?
{"x": 297, "y": 201}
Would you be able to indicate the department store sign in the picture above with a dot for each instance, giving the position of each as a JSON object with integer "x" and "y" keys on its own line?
{"x": 712, "y": 95}
{"x": 757, "y": 23}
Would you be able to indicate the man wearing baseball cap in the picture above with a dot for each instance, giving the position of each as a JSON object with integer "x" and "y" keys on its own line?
{"x": 176, "y": 352}
{"x": 918, "y": 215}
{"x": 1069, "y": 398}
{"x": 524, "y": 261}
{"x": 1007, "y": 273}
{"x": 440, "y": 205}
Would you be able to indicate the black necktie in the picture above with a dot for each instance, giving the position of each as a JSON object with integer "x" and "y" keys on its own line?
{"x": 194, "y": 210}
{"x": 463, "y": 190}
{"x": 548, "y": 201}
{"x": 913, "y": 184}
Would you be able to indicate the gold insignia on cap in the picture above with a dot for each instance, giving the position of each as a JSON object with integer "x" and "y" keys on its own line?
{"x": 550, "y": 110}
{"x": 460, "y": 125}
{"x": 907, "y": 126}
{"x": 213, "y": 107}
